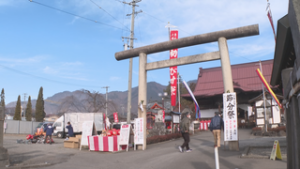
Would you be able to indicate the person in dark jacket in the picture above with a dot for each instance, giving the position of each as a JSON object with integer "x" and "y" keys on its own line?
{"x": 49, "y": 130}
{"x": 70, "y": 130}
{"x": 184, "y": 128}
{"x": 215, "y": 127}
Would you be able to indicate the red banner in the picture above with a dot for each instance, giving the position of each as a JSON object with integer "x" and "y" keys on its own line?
{"x": 173, "y": 69}
{"x": 269, "y": 14}
{"x": 116, "y": 117}
{"x": 163, "y": 116}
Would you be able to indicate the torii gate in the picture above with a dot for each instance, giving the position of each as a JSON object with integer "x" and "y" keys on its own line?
{"x": 220, "y": 36}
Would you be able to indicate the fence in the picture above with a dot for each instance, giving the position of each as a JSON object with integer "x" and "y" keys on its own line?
{"x": 20, "y": 127}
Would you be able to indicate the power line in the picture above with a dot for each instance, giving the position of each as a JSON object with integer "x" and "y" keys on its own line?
{"x": 42, "y": 78}
{"x": 164, "y": 22}
{"x": 109, "y": 14}
{"x": 82, "y": 17}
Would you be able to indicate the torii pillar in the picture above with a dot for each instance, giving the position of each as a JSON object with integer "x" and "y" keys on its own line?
{"x": 222, "y": 54}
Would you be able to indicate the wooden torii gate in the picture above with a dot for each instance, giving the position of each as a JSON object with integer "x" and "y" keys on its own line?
{"x": 222, "y": 54}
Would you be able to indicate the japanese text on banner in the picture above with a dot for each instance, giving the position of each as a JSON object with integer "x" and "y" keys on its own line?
{"x": 230, "y": 117}
{"x": 173, "y": 69}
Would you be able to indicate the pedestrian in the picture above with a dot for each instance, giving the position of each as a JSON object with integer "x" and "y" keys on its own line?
{"x": 184, "y": 128}
{"x": 70, "y": 130}
{"x": 215, "y": 127}
{"x": 49, "y": 130}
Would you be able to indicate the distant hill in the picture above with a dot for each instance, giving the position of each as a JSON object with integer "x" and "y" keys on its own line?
{"x": 53, "y": 103}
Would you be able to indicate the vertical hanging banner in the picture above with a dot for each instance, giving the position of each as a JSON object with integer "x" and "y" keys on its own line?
{"x": 230, "y": 117}
{"x": 116, "y": 119}
{"x": 173, "y": 69}
{"x": 269, "y": 14}
{"x": 163, "y": 116}
{"x": 138, "y": 132}
{"x": 193, "y": 97}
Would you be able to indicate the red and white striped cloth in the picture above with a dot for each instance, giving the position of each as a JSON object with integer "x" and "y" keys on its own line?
{"x": 97, "y": 143}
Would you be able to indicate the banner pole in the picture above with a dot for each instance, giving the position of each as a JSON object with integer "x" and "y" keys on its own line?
{"x": 217, "y": 158}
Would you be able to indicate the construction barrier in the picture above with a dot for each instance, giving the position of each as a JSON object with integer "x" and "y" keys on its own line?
{"x": 107, "y": 143}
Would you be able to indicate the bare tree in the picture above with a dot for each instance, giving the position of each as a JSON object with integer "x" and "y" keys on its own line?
{"x": 86, "y": 101}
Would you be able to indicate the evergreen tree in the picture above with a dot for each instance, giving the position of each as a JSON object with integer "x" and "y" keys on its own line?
{"x": 28, "y": 113}
{"x": 17, "y": 115}
{"x": 39, "y": 107}
{"x": 2, "y": 104}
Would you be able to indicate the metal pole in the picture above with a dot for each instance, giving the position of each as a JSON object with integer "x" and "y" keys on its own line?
{"x": 264, "y": 97}
{"x": 217, "y": 158}
{"x": 106, "y": 99}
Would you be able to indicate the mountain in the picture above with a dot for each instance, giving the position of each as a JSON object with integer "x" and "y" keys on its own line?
{"x": 53, "y": 103}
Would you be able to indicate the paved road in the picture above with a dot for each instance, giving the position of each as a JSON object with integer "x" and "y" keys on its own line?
{"x": 161, "y": 155}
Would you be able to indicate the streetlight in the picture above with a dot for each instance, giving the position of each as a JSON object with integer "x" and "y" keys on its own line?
{"x": 162, "y": 97}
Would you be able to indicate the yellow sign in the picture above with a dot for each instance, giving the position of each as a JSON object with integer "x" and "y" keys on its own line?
{"x": 276, "y": 153}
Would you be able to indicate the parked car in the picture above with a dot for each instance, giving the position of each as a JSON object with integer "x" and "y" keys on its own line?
{"x": 42, "y": 126}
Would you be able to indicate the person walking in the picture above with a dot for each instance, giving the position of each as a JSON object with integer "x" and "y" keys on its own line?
{"x": 49, "y": 130}
{"x": 184, "y": 128}
{"x": 70, "y": 130}
{"x": 215, "y": 127}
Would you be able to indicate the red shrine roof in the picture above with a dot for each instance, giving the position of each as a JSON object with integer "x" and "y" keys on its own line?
{"x": 245, "y": 78}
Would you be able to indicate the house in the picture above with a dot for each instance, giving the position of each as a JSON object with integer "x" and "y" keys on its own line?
{"x": 247, "y": 85}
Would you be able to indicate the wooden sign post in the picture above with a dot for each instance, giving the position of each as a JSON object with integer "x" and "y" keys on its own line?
{"x": 276, "y": 153}
{"x": 124, "y": 135}
{"x": 138, "y": 133}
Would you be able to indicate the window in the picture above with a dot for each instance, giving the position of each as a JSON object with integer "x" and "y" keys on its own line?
{"x": 58, "y": 124}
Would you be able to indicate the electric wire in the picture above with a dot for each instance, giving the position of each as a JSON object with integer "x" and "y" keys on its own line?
{"x": 82, "y": 17}
{"x": 109, "y": 14}
{"x": 42, "y": 78}
{"x": 164, "y": 22}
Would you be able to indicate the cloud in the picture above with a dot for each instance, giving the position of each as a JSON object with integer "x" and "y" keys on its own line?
{"x": 30, "y": 60}
{"x": 74, "y": 78}
{"x": 49, "y": 70}
{"x": 66, "y": 70}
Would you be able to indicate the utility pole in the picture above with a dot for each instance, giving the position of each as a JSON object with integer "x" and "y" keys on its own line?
{"x": 106, "y": 100}
{"x": 264, "y": 97}
{"x": 133, "y": 4}
{"x": 25, "y": 94}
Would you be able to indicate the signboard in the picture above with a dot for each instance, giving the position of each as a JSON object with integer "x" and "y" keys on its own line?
{"x": 260, "y": 121}
{"x": 159, "y": 116}
{"x": 250, "y": 111}
{"x": 87, "y": 130}
{"x": 138, "y": 132}
{"x": 173, "y": 69}
{"x": 124, "y": 135}
{"x": 230, "y": 117}
{"x": 116, "y": 117}
{"x": 176, "y": 119}
{"x": 276, "y": 153}
{"x": 192, "y": 127}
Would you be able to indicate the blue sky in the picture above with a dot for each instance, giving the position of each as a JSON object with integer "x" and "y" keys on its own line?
{"x": 40, "y": 46}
